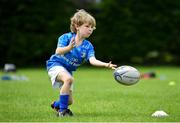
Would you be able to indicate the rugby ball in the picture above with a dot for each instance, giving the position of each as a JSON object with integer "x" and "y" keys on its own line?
{"x": 126, "y": 75}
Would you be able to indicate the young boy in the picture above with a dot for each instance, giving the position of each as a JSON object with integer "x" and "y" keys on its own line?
{"x": 72, "y": 49}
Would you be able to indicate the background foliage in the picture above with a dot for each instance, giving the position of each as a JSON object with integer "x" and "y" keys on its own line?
{"x": 138, "y": 32}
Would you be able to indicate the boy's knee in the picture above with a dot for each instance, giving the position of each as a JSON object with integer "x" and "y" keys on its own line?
{"x": 69, "y": 80}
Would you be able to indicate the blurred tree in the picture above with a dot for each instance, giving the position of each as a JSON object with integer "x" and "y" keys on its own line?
{"x": 133, "y": 29}
{"x": 30, "y": 28}
{"x": 142, "y": 32}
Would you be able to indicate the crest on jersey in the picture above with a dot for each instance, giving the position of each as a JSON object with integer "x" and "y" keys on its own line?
{"x": 83, "y": 54}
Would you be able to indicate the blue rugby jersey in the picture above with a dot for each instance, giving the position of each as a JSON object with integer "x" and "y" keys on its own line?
{"x": 74, "y": 58}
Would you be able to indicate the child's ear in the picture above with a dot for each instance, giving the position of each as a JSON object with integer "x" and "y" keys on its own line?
{"x": 77, "y": 27}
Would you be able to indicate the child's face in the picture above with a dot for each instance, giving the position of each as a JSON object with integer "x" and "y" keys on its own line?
{"x": 85, "y": 30}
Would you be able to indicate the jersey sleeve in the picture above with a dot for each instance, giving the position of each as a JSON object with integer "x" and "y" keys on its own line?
{"x": 63, "y": 40}
{"x": 90, "y": 52}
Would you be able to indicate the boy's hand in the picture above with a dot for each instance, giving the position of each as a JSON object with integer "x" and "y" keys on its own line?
{"x": 112, "y": 66}
{"x": 72, "y": 43}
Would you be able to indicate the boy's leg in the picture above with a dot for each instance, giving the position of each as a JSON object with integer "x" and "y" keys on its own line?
{"x": 55, "y": 104}
{"x": 67, "y": 80}
{"x": 70, "y": 101}
{"x": 61, "y": 78}
{"x": 65, "y": 92}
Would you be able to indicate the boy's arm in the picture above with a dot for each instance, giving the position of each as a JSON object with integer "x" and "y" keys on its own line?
{"x": 93, "y": 61}
{"x": 63, "y": 50}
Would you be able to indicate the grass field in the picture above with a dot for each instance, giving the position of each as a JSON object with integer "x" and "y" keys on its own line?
{"x": 97, "y": 97}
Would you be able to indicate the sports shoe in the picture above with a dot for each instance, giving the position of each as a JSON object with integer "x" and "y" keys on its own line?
{"x": 53, "y": 107}
{"x": 65, "y": 112}
{"x": 70, "y": 112}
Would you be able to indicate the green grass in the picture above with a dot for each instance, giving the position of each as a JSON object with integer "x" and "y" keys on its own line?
{"x": 97, "y": 97}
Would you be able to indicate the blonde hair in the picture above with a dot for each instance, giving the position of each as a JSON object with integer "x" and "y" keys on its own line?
{"x": 81, "y": 17}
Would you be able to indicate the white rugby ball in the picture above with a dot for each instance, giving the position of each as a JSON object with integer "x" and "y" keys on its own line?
{"x": 126, "y": 75}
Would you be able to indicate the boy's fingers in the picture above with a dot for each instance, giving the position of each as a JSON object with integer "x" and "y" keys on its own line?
{"x": 73, "y": 42}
